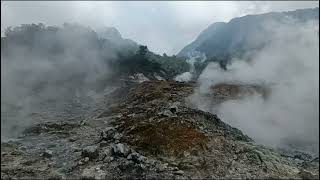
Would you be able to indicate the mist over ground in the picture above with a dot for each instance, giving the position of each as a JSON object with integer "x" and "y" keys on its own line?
{"x": 81, "y": 101}
{"x": 69, "y": 63}
{"x": 289, "y": 66}
{"x": 53, "y": 71}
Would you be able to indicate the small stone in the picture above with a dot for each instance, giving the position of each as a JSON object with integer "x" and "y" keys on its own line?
{"x": 174, "y": 107}
{"x": 175, "y": 168}
{"x": 168, "y": 113}
{"x": 117, "y": 136}
{"x": 86, "y": 159}
{"x": 179, "y": 172}
{"x": 90, "y": 151}
{"x": 108, "y": 159}
{"x": 162, "y": 167}
{"x": 186, "y": 154}
{"x": 131, "y": 115}
{"x": 235, "y": 157}
{"x": 47, "y": 153}
{"x": 83, "y": 123}
{"x": 136, "y": 157}
{"x": 142, "y": 166}
{"x": 119, "y": 116}
{"x": 108, "y": 133}
{"x": 120, "y": 150}
{"x": 72, "y": 139}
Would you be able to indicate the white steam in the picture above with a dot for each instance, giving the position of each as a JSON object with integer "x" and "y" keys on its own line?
{"x": 36, "y": 88}
{"x": 194, "y": 56}
{"x": 184, "y": 77}
{"x": 289, "y": 65}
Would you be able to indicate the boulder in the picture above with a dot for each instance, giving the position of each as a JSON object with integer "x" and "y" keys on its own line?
{"x": 108, "y": 133}
{"x": 120, "y": 150}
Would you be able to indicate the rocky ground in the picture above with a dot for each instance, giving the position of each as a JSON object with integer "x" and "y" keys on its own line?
{"x": 148, "y": 130}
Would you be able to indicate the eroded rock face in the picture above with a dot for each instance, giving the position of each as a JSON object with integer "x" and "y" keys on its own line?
{"x": 131, "y": 137}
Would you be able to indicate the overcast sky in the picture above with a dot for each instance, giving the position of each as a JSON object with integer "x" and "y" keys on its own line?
{"x": 163, "y": 26}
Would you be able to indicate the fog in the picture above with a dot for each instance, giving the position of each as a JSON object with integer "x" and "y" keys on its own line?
{"x": 55, "y": 76}
{"x": 289, "y": 66}
{"x": 35, "y": 80}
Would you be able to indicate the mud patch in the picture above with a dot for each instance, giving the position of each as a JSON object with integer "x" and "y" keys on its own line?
{"x": 167, "y": 137}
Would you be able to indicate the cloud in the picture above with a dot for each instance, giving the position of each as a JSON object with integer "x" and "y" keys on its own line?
{"x": 164, "y": 26}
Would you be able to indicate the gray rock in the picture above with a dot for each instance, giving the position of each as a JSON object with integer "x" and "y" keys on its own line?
{"x": 136, "y": 157}
{"x": 104, "y": 153}
{"x": 302, "y": 156}
{"x": 168, "y": 113}
{"x": 108, "y": 133}
{"x": 117, "y": 136}
{"x": 120, "y": 150}
{"x": 47, "y": 154}
{"x": 174, "y": 107}
{"x": 103, "y": 144}
{"x": 142, "y": 166}
{"x": 179, "y": 172}
{"x": 304, "y": 174}
{"x": 72, "y": 139}
{"x": 86, "y": 159}
{"x": 186, "y": 154}
{"x": 90, "y": 151}
{"x": 93, "y": 173}
{"x": 162, "y": 167}
{"x": 108, "y": 159}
